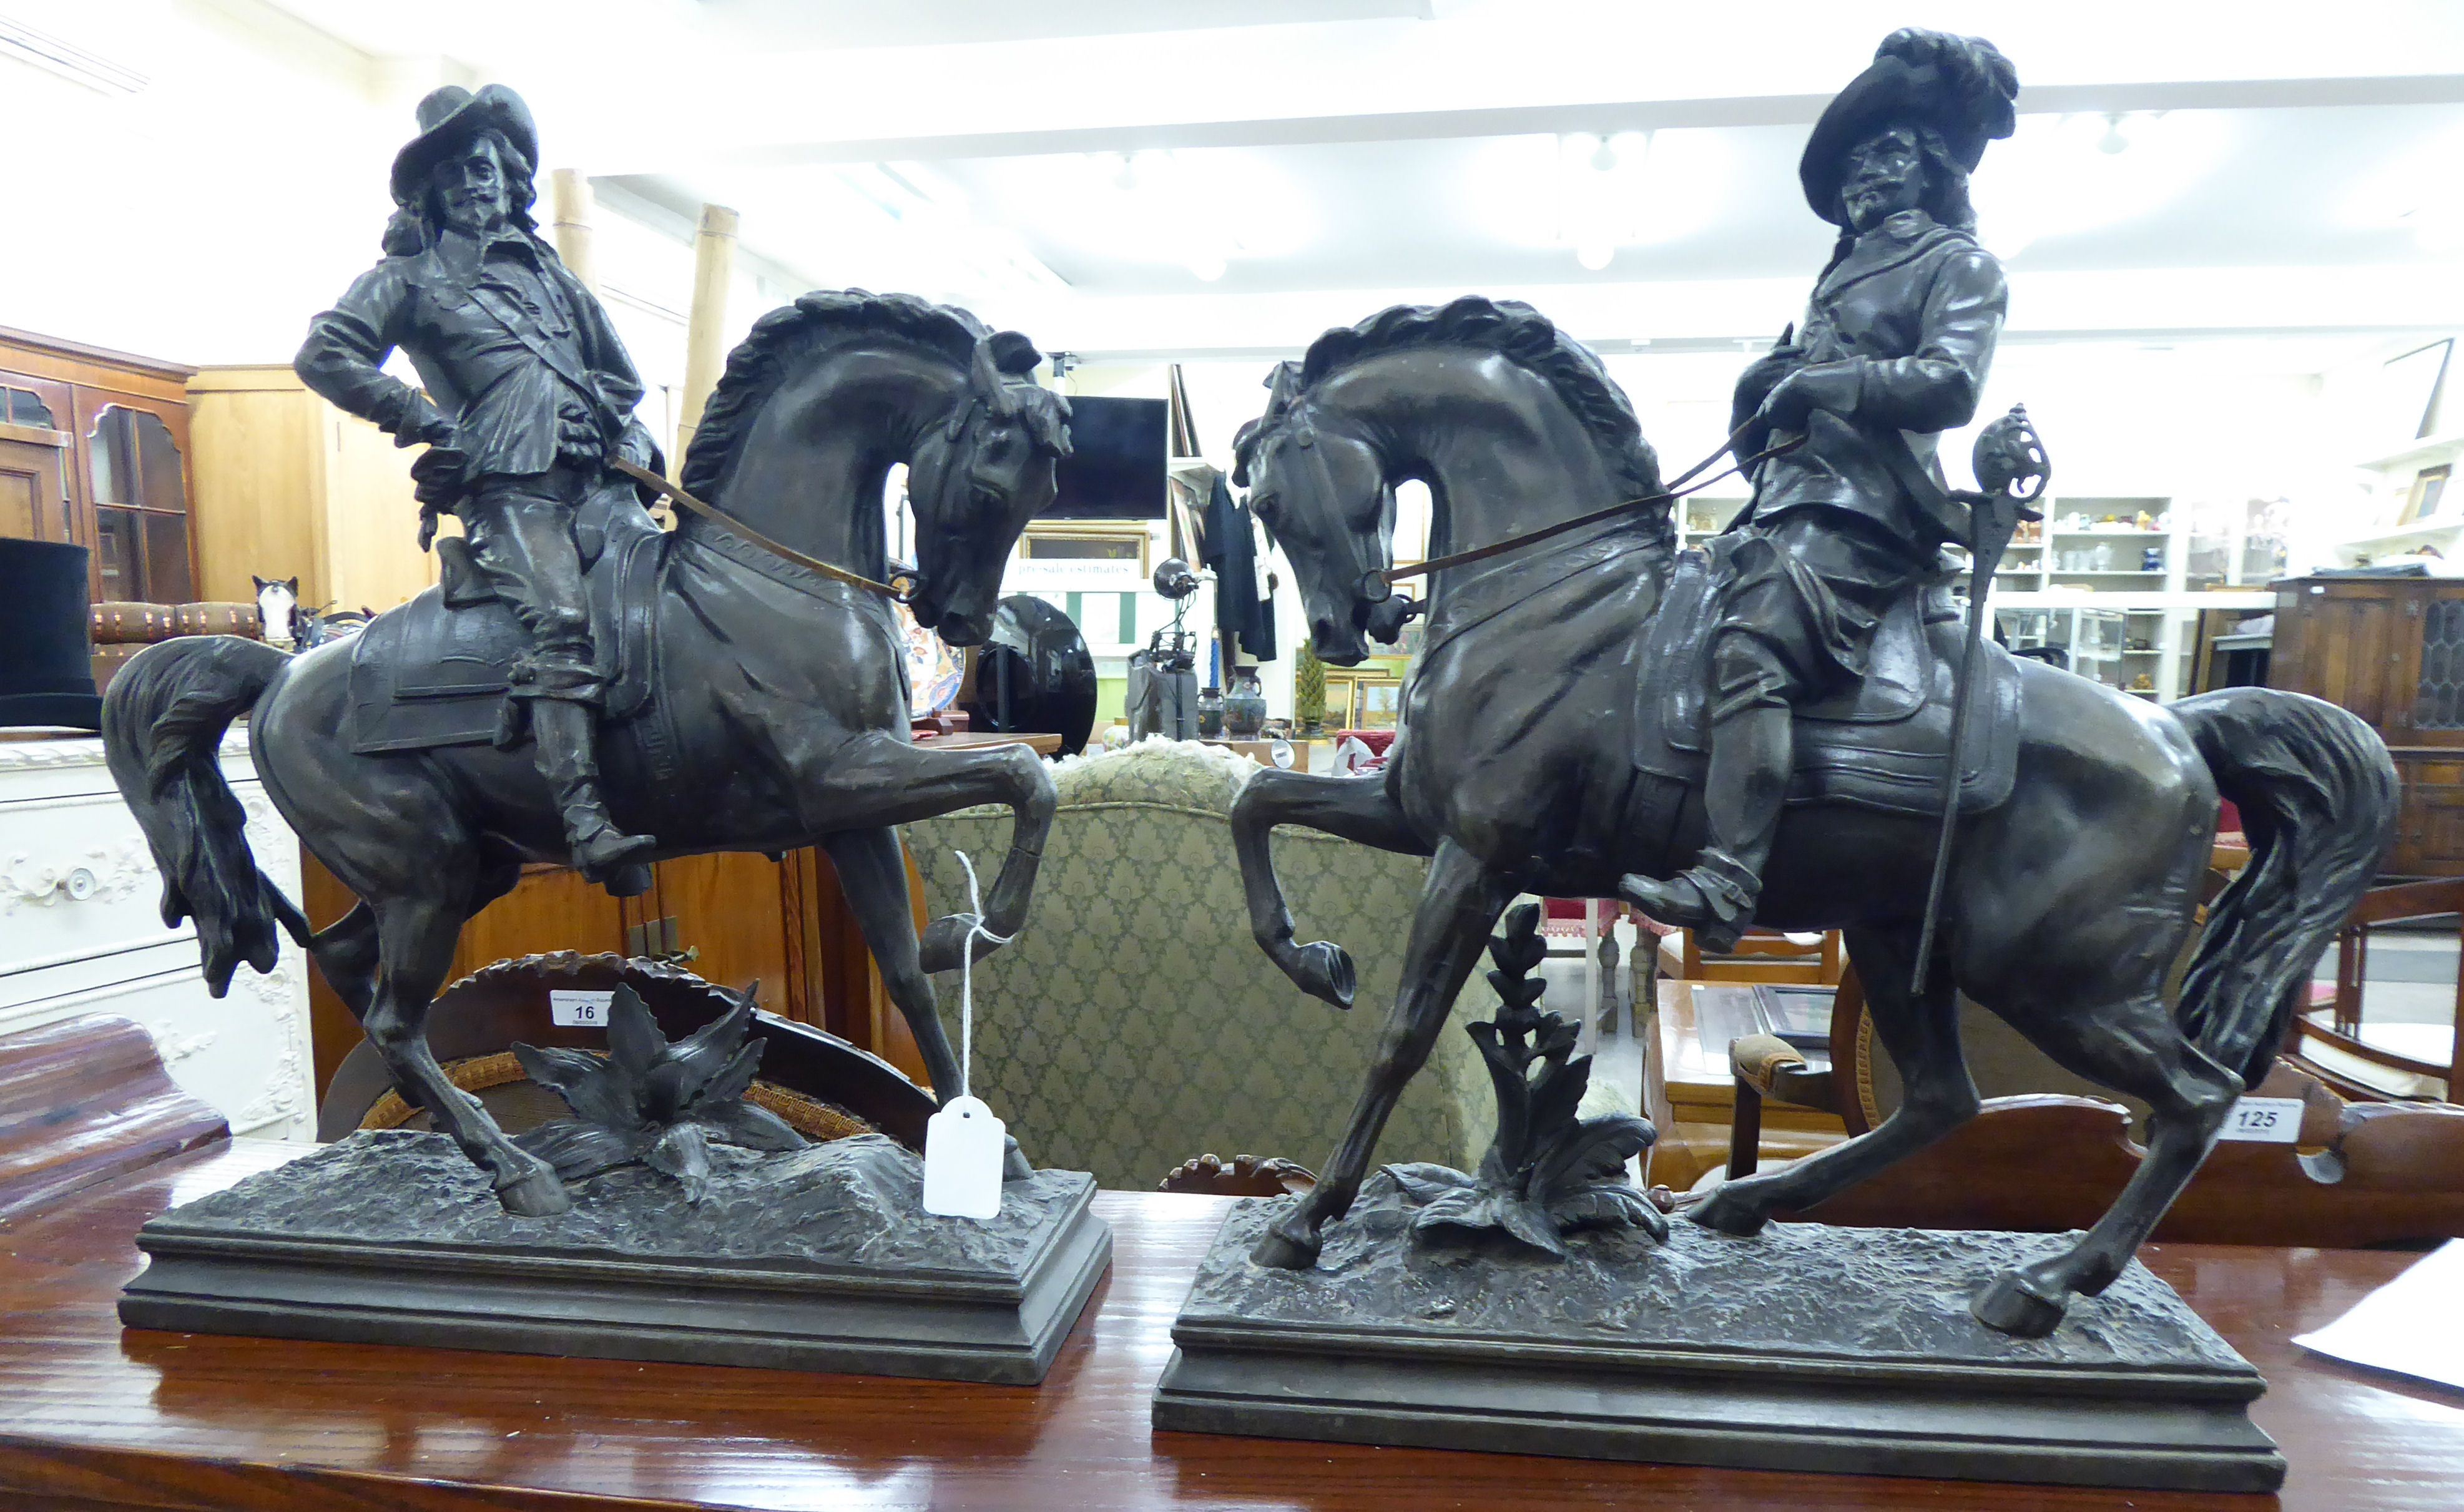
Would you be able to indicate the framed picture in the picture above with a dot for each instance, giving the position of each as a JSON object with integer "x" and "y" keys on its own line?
{"x": 2426, "y": 499}
{"x": 2409, "y": 392}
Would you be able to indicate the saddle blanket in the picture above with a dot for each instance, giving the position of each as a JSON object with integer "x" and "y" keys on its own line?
{"x": 1880, "y": 745}
{"x": 434, "y": 671}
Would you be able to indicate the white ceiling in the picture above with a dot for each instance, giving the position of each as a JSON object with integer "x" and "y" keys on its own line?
{"x": 1089, "y": 159}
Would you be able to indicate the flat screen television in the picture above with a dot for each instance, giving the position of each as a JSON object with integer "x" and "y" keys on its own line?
{"x": 1115, "y": 470}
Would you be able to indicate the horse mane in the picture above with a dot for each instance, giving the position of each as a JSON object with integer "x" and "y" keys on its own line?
{"x": 824, "y": 317}
{"x": 1508, "y": 327}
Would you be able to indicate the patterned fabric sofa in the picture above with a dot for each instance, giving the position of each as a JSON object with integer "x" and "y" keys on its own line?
{"x": 1134, "y": 1023}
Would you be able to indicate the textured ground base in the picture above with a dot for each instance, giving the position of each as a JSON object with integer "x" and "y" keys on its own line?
{"x": 819, "y": 1258}
{"x": 1804, "y": 1347}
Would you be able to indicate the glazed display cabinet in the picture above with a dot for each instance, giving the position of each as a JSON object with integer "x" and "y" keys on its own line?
{"x": 2390, "y": 649}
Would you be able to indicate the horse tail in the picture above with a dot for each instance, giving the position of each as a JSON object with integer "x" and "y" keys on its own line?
{"x": 2319, "y": 797}
{"x": 162, "y": 724}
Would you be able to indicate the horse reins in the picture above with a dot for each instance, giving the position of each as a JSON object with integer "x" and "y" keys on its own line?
{"x": 1677, "y": 489}
{"x": 897, "y": 592}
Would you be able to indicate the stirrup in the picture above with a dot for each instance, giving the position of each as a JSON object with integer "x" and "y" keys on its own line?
{"x": 609, "y": 857}
{"x": 1715, "y": 898}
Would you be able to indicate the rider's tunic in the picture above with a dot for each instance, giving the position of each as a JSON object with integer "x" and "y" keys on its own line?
{"x": 541, "y": 392}
{"x": 1895, "y": 344}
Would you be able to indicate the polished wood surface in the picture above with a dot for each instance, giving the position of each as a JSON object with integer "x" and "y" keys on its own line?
{"x": 99, "y": 1417}
{"x": 86, "y": 1099}
{"x": 977, "y": 739}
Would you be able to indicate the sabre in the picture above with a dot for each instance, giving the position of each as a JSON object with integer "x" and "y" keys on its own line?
{"x": 2011, "y": 471}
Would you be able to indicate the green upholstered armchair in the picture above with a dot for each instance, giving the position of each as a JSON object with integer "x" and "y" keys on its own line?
{"x": 1134, "y": 1023}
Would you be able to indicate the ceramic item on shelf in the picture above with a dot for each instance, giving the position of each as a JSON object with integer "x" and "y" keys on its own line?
{"x": 2151, "y": 560}
{"x": 1244, "y": 708}
{"x": 1210, "y": 713}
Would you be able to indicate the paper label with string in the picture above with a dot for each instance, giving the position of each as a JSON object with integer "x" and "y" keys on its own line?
{"x": 964, "y": 1145}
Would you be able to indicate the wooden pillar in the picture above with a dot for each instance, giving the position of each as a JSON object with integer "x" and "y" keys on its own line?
{"x": 571, "y": 206}
{"x": 713, "y": 266}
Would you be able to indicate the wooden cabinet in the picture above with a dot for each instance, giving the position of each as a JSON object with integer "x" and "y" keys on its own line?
{"x": 2390, "y": 649}
{"x": 116, "y": 479}
{"x": 288, "y": 486}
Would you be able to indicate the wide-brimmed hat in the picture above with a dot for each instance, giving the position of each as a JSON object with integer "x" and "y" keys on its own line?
{"x": 1961, "y": 86}
{"x": 448, "y": 117}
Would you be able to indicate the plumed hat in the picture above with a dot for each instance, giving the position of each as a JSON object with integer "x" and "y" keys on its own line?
{"x": 451, "y": 117}
{"x": 1961, "y": 86}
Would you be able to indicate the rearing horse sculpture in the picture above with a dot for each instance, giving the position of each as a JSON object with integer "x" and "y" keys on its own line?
{"x": 775, "y": 717}
{"x": 1516, "y": 771}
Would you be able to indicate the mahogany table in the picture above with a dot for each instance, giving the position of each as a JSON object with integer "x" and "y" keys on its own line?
{"x": 93, "y": 1416}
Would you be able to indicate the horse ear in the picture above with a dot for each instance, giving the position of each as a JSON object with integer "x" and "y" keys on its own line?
{"x": 292, "y": 583}
{"x": 261, "y": 583}
{"x": 1013, "y": 352}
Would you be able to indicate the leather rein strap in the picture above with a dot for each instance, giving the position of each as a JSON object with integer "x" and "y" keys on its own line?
{"x": 1675, "y": 491}
{"x": 901, "y": 593}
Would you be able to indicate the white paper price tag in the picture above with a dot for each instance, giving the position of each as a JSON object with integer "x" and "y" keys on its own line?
{"x": 574, "y": 1008}
{"x": 964, "y": 1145}
{"x": 2265, "y": 1121}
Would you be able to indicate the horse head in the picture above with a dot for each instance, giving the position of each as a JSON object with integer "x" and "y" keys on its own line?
{"x": 1320, "y": 485}
{"x": 976, "y": 478}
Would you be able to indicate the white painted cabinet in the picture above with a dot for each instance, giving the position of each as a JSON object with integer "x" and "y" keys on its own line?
{"x": 81, "y": 931}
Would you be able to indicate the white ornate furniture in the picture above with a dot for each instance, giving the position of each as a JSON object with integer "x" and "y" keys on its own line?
{"x": 80, "y": 932}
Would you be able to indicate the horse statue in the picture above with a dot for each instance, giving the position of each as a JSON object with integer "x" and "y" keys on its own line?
{"x": 1545, "y": 749}
{"x": 766, "y": 711}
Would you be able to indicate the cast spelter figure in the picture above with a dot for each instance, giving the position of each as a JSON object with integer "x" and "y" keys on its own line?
{"x": 536, "y": 394}
{"x": 1893, "y": 351}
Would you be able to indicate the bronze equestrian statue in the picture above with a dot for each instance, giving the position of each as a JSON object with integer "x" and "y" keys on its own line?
{"x": 754, "y": 701}
{"x": 1893, "y": 350}
{"x": 1555, "y": 730}
{"x": 539, "y": 395}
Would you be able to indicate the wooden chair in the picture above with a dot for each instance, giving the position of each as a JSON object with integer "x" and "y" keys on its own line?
{"x": 2320, "y": 1048}
{"x": 2363, "y": 1174}
{"x": 825, "y": 1087}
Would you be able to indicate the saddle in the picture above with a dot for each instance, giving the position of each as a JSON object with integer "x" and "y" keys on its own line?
{"x": 436, "y": 672}
{"x": 1879, "y": 745}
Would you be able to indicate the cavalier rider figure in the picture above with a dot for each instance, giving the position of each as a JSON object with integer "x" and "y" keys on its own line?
{"x": 1893, "y": 351}
{"x": 537, "y": 396}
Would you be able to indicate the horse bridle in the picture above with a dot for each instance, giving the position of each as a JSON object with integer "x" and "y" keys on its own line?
{"x": 1377, "y": 585}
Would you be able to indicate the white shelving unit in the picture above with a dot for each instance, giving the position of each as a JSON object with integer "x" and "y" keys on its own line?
{"x": 2115, "y": 615}
{"x": 2390, "y": 482}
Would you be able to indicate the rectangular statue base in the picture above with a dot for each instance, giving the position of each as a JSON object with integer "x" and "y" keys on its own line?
{"x": 820, "y": 1259}
{"x": 1803, "y": 1349}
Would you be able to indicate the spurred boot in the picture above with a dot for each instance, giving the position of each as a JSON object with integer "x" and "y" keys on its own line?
{"x": 565, "y": 731}
{"x": 1751, "y": 754}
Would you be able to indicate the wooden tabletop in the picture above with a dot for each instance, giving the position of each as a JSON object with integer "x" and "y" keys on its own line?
{"x": 92, "y": 1415}
{"x": 977, "y": 739}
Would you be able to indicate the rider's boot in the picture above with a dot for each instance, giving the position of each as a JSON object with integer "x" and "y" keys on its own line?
{"x": 1753, "y": 751}
{"x": 565, "y": 730}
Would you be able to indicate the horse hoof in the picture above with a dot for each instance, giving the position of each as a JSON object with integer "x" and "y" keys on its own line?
{"x": 945, "y": 940}
{"x": 1323, "y": 970}
{"x": 537, "y": 1195}
{"x": 2013, "y": 1304}
{"x": 1727, "y": 1216}
{"x": 1015, "y": 1166}
{"x": 1282, "y": 1252}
